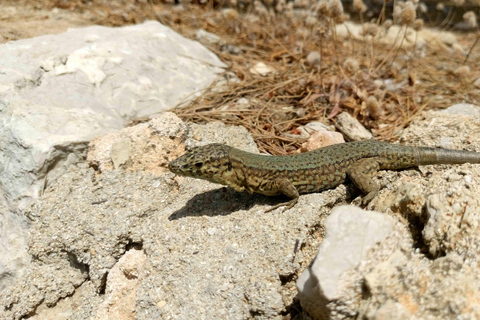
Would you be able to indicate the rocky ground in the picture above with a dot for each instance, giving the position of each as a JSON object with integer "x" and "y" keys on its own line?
{"x": 136, "y": 240}
{"x": 100, "y": 229}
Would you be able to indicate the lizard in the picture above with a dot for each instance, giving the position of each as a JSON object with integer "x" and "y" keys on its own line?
{"x": 312, "y": 171}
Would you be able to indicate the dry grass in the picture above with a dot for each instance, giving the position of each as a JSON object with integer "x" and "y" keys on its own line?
{"x": 297, "y": 93}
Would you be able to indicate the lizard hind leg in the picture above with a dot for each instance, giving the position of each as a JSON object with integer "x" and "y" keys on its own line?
{"x": 361, "y": 173}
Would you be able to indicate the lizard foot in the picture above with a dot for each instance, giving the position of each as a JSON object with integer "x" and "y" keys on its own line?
{"x": 369, "y": 197}
{"x": 288, "y": 205}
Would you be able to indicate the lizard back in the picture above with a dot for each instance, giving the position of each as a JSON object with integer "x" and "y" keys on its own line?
{"x": 317, "y": 170}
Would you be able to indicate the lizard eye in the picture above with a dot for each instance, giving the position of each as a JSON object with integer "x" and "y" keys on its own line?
{"x": 198, "y": 164}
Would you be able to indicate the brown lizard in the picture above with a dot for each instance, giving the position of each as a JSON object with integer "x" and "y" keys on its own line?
{"x": 309, "y": 172}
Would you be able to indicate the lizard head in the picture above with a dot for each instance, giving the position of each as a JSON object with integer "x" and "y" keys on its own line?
{"x": 208, "y": 162}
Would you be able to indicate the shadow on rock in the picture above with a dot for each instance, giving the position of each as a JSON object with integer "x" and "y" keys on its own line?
{"x": 223, "y": 201}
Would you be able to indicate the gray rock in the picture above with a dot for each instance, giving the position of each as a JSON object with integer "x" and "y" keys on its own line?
{"x": 208, "y": 38}
{"x": 438, "y": 129}
{"x": 436, "y": 277}
{"x": 121, "y": 153}
{"x": 390, "y": 310}
{"x": 463, "y": 109}
{"x": 211, "y": 253}
{"x": 350, "y": 233}
{"x": 443, "y": 209}
{"x": 351, "y": 128}
{"x": 57, "y": 92}
{"x": 419, "y": 288}
{"x": 14, "y": 258}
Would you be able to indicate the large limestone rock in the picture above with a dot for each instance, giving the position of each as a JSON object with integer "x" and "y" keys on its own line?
{"x": 14, "y": 258}
{"x": 57, "y": 92}
{"x": 351, "y": 233}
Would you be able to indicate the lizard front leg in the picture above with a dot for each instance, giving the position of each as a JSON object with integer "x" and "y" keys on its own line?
{"x": 287, "y": 188}
{"x": 361, "y": 173}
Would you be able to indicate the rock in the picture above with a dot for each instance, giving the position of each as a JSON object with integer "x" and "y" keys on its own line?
{"x": 314, "y": 126}
{"x": 211, "y": 252}
{"x": 232, "y": 49}
{"x": 314, "y": 58}
{"x": 319, "y": 135}
{"x": 446, "y": 204}
{"x": 351, "y": 128}
{"x": 207, "y": 38}
{"x": 166, "y": 132}
{"x": 214, "y": 253}
{"x": 57, "y": 92}
{"x": 13, "y": 247}
{"x": 433, "y": 276}
{"x": 128, "y": 149}
{"x": 464, "y": 109}
{"x": 121, "y": 288}
{"x": 350, "y": 233}
{"x": 261, "y": 69}
{"x": 45, "y": 283}
{"x": 439, "y": 129}
{"x": 390, "y": 310}
{"x": 60, "y": 91}
{"x": 445, "y": 207}
{"x": 82, "y": 302}
{"x": 243, "y": 102}
{"x": 120, "y": 153}
{"x": 444, "y": 211}
{"x": 419, "y": 288}
{"x": 477, "y": 83}
{"x": 320, "y": 139}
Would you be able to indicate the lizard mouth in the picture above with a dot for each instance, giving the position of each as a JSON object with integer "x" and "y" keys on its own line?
{"x": 175, "y": 167}
{"x": 181, "y": 168}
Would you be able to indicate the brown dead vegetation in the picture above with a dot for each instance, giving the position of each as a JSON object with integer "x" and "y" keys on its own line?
{"x": 384, "y": 86}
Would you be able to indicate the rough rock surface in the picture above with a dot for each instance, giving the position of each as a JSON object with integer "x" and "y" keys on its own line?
{"x": 57, "y": 92}
{"x": 151, "y": 146}
{"x": 350, "y": 233}
{"x": 212, "y": 253}
{"x": 121, "y": 287}
{"x": 351, "y": 128}
{"x": 14, "y": 257}
{"x": 432, "y": 271}
{"x": 463, "y": 109}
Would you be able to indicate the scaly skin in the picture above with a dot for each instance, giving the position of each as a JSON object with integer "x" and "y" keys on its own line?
{"x": 309, "y": 172}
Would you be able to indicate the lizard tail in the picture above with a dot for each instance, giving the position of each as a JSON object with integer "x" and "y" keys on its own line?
{"x": 427, "y": 156}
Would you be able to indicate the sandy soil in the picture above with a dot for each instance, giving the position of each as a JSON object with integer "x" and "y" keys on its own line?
{"x": 21, "y": 21}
